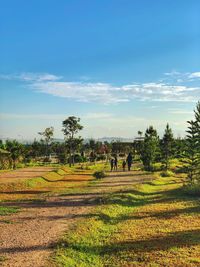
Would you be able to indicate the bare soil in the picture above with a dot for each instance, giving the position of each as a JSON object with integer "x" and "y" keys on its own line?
{"x": 23, "y": 173}
{"x": 30, "y": 236}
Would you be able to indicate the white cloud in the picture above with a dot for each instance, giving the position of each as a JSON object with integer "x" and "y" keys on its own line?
{"x": 107, "y": 93}
{"x": 38, "y": 77}
{"x": 30, "y": 77}
{"x": 183, "y": 76}
{"x": 82, "y": 92}
{"x": 194, "y": 75}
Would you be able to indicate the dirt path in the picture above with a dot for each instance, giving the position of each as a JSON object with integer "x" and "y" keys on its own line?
{"x": 30, "y": 238}
{"x": 24, "y": 173}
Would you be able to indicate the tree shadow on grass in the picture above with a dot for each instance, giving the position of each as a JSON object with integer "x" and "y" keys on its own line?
{"x": 21, "y": 249}
{"x": 179, "y": 239}
{"x": 125, "y": 174}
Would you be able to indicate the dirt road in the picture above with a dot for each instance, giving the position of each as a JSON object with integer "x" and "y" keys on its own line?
{"x": 24, "y": 173}
{"x": 28, "y": 240}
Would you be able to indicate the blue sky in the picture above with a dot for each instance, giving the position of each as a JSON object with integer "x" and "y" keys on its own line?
{"x": 120, "y": 65}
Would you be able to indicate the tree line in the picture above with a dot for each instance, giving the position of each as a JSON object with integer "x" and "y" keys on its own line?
{"x": 148, "y": 148}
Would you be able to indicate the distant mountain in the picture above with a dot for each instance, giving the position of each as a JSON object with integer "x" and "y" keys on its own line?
{"x": 110, "y": 139}
{"x": 86, "y": 140}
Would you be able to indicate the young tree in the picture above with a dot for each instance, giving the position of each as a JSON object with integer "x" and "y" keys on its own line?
{"x": 191, "y": 151}
{"x": 15, "y": 149}
{"x": 71, "y": 127}
{"x": 167, "y": 146}
{"x": 150, "y": 148}
{"x": 48, "y": 136}
{"x": 197, "y": 120}
{"x": 193, "y": 147}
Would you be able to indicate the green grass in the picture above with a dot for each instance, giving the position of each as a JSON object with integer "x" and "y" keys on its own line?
{"x": 153, "y": 224}
{"x": 8, "y": 210}
{"x": 2, "y": 259}
{"x": 84, "y": 245}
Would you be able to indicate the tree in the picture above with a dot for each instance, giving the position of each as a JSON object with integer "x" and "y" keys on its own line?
{"x": 71, "y": 127}
{"x": 140, "y": 133}
{"x": 197, "y": 120}
{"x": 193, "y": 147}
{"x": 48, "y": 136}
{"x": 15, "y": 149}
{"x": 167, "y": 146}
{"x": 150, "y": 148}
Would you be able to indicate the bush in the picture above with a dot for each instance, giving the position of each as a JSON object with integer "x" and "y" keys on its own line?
{"x": 99, "y": 174}
{"x": 101, "y": 157}
{"x": 79, "y": 159}
{"x": 192, "y": 189}
{"x": 167, "y": 174}
{"x": 62, "y": 158}
{"x": 122, "y": 155}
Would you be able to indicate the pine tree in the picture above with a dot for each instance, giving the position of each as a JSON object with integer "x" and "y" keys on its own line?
{"x": 193, "y": 147}
{"x": 167, "y": 146}
{"x": 150, "y": 148}
{"x": 191, "y": 151}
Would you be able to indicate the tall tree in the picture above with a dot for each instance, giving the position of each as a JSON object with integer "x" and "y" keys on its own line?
{"x": 197, "y": 120}
{"x": 193, "y": 147}
{"x": 48, "y": 136}
{"x": 167, "y": 146}
{"x": 150, "y": 148}
{"x": 15, "y": 149}
{"x": 71, "y": 126}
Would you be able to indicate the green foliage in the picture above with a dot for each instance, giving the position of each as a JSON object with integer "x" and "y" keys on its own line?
{"x": 71, "y": 127}
{"x": 192, "y": 189}
{"x": 193, "y": 148}
{"x": 99, "y": 174}
{"x": 16, "y": 151}
{"x": 167, "y": 146}
{"x": 47, "y": 134}
{"x": 79, "y": 159}
{"x": 166, "y": 173}
{"x": 150, "y": 148}
{"x": 2, "y": 259}
{"x": 8, "y": 210}
{"x": 101, "y": 157}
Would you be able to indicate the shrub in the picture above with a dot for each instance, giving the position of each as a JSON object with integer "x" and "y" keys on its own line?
{"x": 167, "y": 174}
{"x": 99, "y": 174}
{"x": 79, "y": 159}
{"x": 192, "y": 189}
{"x": 122, "y": 155}
{"x": 101, "y": 157}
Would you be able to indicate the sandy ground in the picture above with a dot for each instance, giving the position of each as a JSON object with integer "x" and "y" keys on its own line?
{"x": 33, "y": 233}
{"x": 24, "y": 173}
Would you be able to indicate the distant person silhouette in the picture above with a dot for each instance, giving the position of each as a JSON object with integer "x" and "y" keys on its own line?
{"x": 115, "y": 163}
{"x": 129, "y": 161}
{"x": 124, "y": 165}
{"x": 111, "y": 164}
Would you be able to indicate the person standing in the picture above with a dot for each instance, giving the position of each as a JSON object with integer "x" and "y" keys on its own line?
{"x": 129, "y": 161}
{"x": 124, "y": 165}
{"x": 111, "y": 164}
{"x": 115, "y": 163}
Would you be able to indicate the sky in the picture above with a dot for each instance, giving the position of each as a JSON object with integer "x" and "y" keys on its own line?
{"x": 119, "y": 65}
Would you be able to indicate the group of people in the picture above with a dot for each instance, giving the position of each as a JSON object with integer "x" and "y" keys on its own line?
{"x": 128, "y": 161}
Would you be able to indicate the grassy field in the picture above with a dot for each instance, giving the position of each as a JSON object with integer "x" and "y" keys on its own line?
{"x": 148, "y": 223}
{"x": 153, "y": 224}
